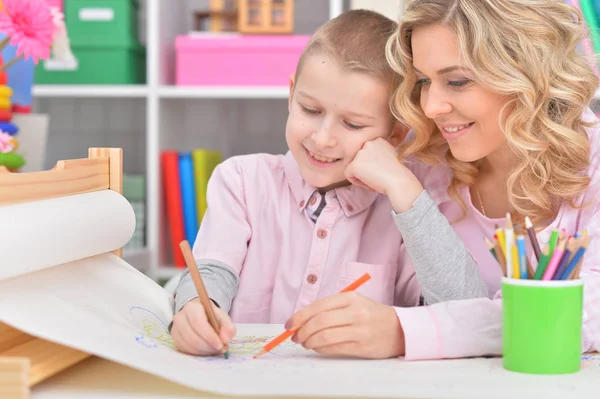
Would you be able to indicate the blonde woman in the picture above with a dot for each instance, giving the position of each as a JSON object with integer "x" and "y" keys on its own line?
{"x": 497, "y": 96}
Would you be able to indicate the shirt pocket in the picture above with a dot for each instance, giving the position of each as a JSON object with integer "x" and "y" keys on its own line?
{"x": 253, "y": 308}
{"x": 380, "y": 287}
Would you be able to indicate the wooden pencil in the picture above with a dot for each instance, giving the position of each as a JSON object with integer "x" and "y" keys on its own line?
{"x": 202, "y": 294}
{"x": 532, "y": 237}
{"x": 499, "y": 255}
{"x": 585, "y": 242}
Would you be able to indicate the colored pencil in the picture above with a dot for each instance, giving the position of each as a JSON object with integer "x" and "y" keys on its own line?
{"x": 202, "y": 294}
{"x": 512, "y": 261}
{"x": 491, "y": 248}
{"x": 522, "y": 256}
{"x": 572, "y": 246}
{"x": 541, "y": 267}
{"x": 533, "y": 238}
{"x": 288, "y": 333}
{"x": 576, "y": 260}
{"x": 499, "y": 255}
{"x": 552, "y": 243}
{"x": 555, "y": 260}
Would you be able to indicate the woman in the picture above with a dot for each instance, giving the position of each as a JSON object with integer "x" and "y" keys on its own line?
{"x": 497, "y": 97}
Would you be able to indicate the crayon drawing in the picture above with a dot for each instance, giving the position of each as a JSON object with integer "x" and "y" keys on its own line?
{"x": 153, "y": 330}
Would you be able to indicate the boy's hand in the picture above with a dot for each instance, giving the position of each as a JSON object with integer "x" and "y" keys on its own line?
{"x": 349, "y": 324}
{"x": 193, "y": 334}
{"x": 376, "y": 167}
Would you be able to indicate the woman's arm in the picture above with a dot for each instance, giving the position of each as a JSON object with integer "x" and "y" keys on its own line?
{"x": 444, "y": 267}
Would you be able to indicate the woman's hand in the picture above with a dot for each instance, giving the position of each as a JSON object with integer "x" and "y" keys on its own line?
{"x": 349, "y": 324}
{"x": 376, "y": 167}
{"x": 193, "y": 334}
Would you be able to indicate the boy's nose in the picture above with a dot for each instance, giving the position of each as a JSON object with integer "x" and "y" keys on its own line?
{"x": 324, "y": 138}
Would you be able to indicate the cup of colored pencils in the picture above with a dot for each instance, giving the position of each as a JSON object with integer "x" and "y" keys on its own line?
{"x": 542, "y": 306}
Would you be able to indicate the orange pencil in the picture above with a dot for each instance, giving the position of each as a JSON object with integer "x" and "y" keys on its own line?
{"x": 288, "y": 333}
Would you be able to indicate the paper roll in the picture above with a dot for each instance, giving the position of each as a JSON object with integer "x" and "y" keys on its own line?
{"x": 42, "y": 234}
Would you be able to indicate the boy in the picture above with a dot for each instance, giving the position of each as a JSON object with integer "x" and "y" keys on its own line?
{"x": 282, "y": 231}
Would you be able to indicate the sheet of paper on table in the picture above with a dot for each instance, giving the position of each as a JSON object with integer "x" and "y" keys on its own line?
{"x": 104, "y": 306}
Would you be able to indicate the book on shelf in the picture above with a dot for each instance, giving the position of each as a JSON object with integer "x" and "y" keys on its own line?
{"x": 185, "y": 176}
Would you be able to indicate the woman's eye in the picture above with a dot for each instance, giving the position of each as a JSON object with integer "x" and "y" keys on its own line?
{"x": 423, "y": 82}
{"x": 458, "y": 83}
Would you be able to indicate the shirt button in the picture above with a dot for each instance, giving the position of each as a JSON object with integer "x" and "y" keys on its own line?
{"x": 302, "y": 203}
{"x": 321, "y": 233}
{"x": 311, "y": 278}
{"x": 313, "y": 201}
{"x": 350, "y": 208}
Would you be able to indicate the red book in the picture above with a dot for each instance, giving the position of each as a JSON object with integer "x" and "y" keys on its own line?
{"x": 173, "y": 202}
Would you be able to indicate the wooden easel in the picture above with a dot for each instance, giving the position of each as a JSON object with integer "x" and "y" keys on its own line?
{"x": 24, "y": 359}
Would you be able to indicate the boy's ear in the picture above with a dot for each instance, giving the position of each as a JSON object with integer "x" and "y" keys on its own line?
{"x": 292, "y": 82}
{"x": 398, "y": 135}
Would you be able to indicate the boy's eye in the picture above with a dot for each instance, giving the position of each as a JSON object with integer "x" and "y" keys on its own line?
{"x": 309, "y": 111}
{"x": 353, "y": 126}
{"x": 458, "y": 83}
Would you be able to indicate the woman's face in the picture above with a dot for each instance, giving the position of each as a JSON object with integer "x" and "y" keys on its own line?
{"x": 466, "y": 112}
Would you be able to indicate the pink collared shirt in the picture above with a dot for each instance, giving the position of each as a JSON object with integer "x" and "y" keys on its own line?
{"x": 474, "y": 327}
{"x": 257, "y": 223}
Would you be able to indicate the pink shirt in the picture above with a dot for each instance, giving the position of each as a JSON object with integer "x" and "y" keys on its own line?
{"x": 258, "y": 224}
{"x": 474, "y": 327}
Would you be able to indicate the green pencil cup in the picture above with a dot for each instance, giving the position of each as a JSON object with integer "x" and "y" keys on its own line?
{"x": 541, "y": 326}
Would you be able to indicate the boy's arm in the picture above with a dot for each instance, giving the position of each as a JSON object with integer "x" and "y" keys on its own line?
{"x": 222, "y": 242}
{"x": 220, "y": 281}
{"x": 443, "y": 266}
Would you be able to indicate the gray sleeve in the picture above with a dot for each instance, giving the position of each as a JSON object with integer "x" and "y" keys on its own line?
{"x": 443, "y": 266}
{"x": 220, "y": 281}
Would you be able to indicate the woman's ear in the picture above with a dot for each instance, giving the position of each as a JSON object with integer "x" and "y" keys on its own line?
{"x": 398, "y": 135}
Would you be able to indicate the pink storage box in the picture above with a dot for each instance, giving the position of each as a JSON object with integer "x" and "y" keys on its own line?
{"x": 237, "y": 60}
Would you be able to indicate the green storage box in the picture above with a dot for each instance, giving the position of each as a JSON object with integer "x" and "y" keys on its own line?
{"x": 102, "y": 22}
{"x": 98, "y": 65}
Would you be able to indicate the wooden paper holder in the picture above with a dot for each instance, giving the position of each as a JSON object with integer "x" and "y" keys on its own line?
{"x": 26, "y": 360}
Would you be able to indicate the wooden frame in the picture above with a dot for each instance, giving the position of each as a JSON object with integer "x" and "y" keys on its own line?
{"x": 24, "y": 359}
{"x": 266, "y": 16}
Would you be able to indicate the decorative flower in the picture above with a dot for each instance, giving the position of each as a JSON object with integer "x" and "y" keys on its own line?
{"x": 7, "y": 142}
{"x": 30, "y": 27}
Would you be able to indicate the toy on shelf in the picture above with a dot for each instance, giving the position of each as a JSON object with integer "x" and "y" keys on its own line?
{"x": 248, "y": 16}
{"x": 266, "y": 16}
{"x": 222, "y": 16}
{"x": 27, "y": 29}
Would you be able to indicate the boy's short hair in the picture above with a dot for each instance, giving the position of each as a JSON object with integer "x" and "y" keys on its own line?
{"x": 357, "y": 40}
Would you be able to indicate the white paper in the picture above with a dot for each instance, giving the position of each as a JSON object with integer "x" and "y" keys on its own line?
{"x": 41, "y": 234}
{"x": 103, "y": 306}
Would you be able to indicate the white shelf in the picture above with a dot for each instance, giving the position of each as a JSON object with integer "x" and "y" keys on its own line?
{"x": 138, "y": 258}
{"x": 94, "y": 91}
{"x": 233, "y": 92}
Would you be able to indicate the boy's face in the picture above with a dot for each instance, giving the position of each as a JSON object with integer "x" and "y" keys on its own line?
{"x": 332, "y": 113}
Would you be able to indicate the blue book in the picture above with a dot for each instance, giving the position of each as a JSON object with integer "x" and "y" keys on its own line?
{"x": 188, "y": 196}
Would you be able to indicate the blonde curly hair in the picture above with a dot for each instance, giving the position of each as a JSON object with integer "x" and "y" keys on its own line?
{"x": 526, "y": 49}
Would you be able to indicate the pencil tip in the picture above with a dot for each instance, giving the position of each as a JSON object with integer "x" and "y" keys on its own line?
{"x": 226, "y": 355}
{"x": 259, "y": 354}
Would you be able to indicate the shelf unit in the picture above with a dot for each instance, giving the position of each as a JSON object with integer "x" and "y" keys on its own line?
{"x": 147, "y": 119}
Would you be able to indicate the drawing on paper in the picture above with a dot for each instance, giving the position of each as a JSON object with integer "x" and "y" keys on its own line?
{"x": 153, "y": 330}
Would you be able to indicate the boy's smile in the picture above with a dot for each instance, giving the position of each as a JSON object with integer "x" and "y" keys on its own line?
{"x": 332, "y": 113}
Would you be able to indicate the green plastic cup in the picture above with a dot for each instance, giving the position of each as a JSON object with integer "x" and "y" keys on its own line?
{"x": 541, "y": 325}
